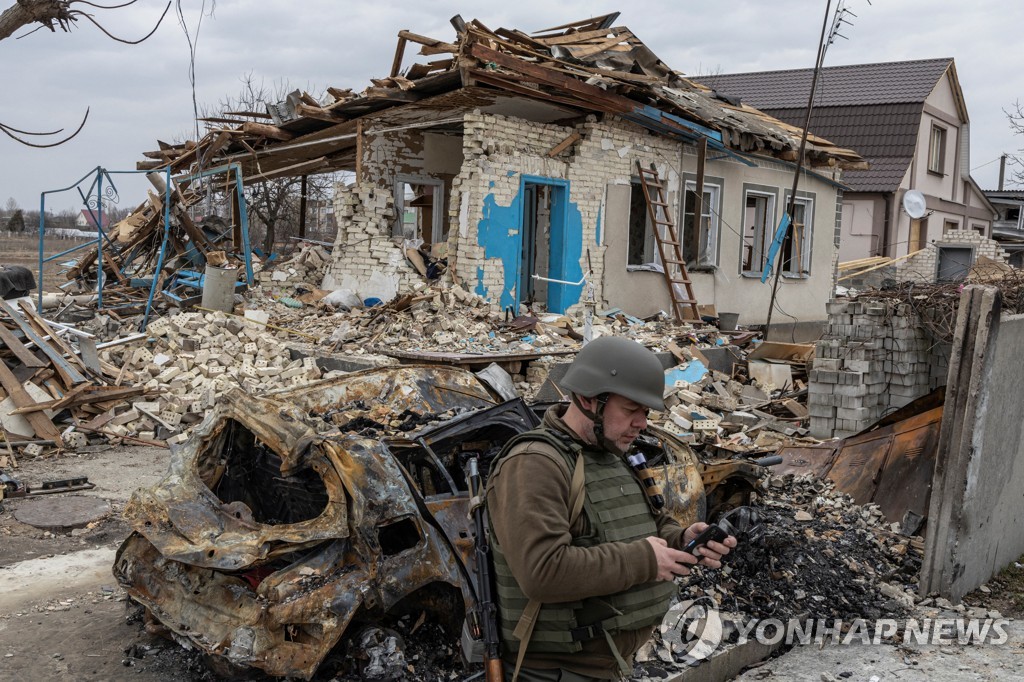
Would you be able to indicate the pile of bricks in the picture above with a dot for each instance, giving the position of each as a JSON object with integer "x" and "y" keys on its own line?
{"x": 193, "y": 359}
{"x": 306, "y": 268}
{"x": 874, "y": 357}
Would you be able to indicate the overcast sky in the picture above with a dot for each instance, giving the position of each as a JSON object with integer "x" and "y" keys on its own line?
{"x": 140, "y": 93}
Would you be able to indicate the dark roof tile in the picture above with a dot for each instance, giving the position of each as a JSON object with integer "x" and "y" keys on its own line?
{"x": 858, "y": 84}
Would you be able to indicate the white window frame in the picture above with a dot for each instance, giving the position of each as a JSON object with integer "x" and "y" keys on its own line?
{"x": 937, "y": 150}
{"x": 767, "y": 232}
{"x": 708, "y": 252}
{"x": 807, "y": 237}
{"x": 650, "y": 252}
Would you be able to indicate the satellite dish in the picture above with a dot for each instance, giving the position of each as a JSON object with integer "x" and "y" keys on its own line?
{"x": 914, "y": 203}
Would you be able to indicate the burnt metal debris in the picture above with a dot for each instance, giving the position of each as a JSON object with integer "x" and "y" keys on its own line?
{"x": 276, "y": 531}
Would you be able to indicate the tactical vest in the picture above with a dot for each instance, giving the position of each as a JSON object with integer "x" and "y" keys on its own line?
{"x": 617, "y": 510}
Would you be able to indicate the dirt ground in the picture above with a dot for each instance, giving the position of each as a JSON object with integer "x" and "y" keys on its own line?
{"x": 62, "y": 615}
{"x": 25, "y": 251}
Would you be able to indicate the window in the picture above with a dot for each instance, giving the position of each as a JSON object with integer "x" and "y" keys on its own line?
{"x": 700, "y": 241}
{"x": 796, "y": 248}
{"x": 948, "y": 225}
{"x": 937, "y": 151}
{"x": 758, "y": 218}
{"x": 419, "y": 207}
{"x": 979, "y": 228}
{"x": 641, "y": 236}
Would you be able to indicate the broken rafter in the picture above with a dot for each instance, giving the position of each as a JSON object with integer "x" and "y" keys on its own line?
{"x": 253, "y": 114}
{"x": 436, "y": 46}
{"x": 265, "y": 130}
{"x": 575, "y": 38}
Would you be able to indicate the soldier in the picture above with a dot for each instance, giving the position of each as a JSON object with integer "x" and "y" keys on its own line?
{"x": 584, "y": 564}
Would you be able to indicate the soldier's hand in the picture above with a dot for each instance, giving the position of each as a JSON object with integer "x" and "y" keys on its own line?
{"x": 671, "y": 562}
{"x": 710, "y": 554}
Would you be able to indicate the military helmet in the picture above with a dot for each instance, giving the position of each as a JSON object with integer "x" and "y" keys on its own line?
{"x": 613, "y": 364}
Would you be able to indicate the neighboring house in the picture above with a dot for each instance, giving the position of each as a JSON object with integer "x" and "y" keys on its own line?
{"x": 86, "y": 219}
{"x": 1008, "y": 228}
{"x": 909, "y": 120}
{"x": 518, "y": 157}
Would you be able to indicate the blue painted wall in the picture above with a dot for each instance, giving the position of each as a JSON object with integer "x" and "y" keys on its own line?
{"x": 499, "y": 232}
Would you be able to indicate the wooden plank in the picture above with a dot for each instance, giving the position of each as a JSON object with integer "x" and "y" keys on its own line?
{"x": 588, "y": 51}
{"x": 436, "y": 45}
{"x": 564, "y": 144}
{"x": 591, "y": 94}
{"x": 396, "y": 65}
{"x": 27, "y": 357}
{"x": 44, "y": 327}
{"x": 265, "y": 130}
{"x": 39, "y": 422}
{"x": 68, "y": 374}
{"x": 359, "y": 150}
{"x": 898, "y": 258}
{"x": 82, "y": 395}
{"x": 577, "y": 37}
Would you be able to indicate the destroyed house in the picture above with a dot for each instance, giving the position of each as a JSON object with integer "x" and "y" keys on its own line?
{"x": 909, "y": 120}
{"x": 518, "y": 159}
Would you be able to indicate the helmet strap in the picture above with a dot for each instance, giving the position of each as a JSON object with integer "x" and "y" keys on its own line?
{"x": 597, "y": 416}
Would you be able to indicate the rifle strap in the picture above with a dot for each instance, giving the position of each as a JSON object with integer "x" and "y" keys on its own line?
{"x": 524, "y": 628}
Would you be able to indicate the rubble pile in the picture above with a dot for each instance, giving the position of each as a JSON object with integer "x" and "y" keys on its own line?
{"x": 55, "y": 377}
{"x": 816, "y": 557}
{"x": 820, "y": 556}
{"x": 194, "y": 359}
{"x": 305, "y": 269}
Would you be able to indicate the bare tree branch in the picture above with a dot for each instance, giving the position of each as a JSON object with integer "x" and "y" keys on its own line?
{"x": 48, "y": 13}
{"x": 122, "y": 40}
{"x": 8, "y": 131}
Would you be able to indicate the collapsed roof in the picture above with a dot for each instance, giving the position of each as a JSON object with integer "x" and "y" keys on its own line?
{"x": 557, "y": 74}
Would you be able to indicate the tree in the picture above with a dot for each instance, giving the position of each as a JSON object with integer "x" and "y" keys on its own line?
{"x": 273, "y": 205}
{"x": 17, "y": 221}
{"x": 1016, "y": 161}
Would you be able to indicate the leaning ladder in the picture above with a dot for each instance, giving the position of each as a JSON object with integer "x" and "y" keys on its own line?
{"x": 680, "y": 290}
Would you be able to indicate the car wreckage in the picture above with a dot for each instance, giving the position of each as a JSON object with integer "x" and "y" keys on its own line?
{"x": 290, "y": 519}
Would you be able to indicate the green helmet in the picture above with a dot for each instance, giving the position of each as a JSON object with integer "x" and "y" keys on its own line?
{"x": 613, "y": 364}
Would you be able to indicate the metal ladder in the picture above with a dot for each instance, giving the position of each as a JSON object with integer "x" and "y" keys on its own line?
{"x": 669, "y": 245}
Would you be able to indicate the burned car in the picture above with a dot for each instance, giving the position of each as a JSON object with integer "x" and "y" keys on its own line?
{"x": 288, "y": 520}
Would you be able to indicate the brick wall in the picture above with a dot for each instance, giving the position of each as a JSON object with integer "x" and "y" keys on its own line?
{"x": 874, "y": 357}
{"x": 365, "y": 259}
{"x": 499, "y": 150}
{"x": 924, "y": 266}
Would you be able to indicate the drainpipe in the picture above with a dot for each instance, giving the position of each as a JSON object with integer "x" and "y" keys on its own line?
{"x": 886, "y": 225}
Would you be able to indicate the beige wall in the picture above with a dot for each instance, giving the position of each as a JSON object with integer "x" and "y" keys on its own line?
{"x": 863, "y": 226}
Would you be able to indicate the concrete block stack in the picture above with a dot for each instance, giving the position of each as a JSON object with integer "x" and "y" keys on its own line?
{"x": 875, "y": 356}
{"x": 194, "y": 358}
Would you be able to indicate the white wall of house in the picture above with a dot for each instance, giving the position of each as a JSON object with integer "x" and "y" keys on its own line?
{"x": 499, "y": 151}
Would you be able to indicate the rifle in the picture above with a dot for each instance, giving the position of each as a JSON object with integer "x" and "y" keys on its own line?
{"x": 486, "y": 608}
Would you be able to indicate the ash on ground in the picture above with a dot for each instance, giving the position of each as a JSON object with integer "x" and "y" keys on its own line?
{"x": 819, "y": 556}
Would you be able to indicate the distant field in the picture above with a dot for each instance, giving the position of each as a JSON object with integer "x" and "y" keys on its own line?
{"x": 20, "y": 250}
